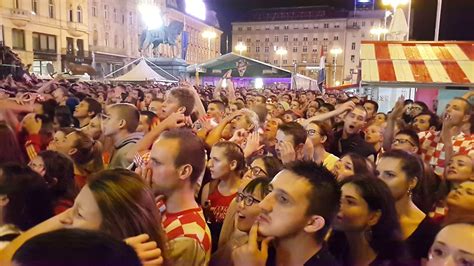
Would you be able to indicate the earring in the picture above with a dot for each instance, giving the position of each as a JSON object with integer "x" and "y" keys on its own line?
{"x": 410, "y": 192}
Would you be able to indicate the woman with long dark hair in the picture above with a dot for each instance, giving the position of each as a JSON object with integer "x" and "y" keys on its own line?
{"x": 58, "y": 172}
{"x": 367, "y": 231}
{"x": 9, "y": 146}
{"x": 353, "y": 164}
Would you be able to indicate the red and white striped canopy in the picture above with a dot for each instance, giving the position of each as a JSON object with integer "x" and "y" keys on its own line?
{"x": 418, "y": 63}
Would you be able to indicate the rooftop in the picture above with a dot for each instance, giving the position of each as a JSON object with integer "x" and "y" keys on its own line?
{"x": 305, "y": 13}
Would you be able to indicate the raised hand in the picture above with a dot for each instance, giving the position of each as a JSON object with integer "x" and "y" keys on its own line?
{"x": 287, "y": 152}
{"x": 398, "y": 109}
{"x": 175, "y": 120}
{"x": 250, "y": 254}
{"x": 147, "y": 251}
{"x": 253, "y": 144}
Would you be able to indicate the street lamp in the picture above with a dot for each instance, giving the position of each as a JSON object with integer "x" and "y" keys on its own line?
{"x": 209, "y": 35}
{"x": 335, "y": 52}
{"x": 378, "y": 31}
{"x": 281, "y": 51}
{"x": 151, "y": 16}
{"x": 240, "y": 47}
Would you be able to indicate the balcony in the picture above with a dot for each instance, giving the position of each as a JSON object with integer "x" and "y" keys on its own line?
{"x": 353, "y": 27}
{"x": 76, "y": 29}
{"x": 79, "y": 57}
{"x": 20, "y": 17}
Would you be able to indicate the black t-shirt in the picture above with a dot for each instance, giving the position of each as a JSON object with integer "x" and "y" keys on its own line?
{"x": 420, "y": 241}
{"x": 354, "y": 143}
{"x": 321, "y": 258}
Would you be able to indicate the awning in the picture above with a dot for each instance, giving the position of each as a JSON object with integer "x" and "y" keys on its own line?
{"x": 343, "y": 87}
{"x": 418, "y": 63}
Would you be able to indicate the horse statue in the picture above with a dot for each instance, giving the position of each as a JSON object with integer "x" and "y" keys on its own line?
{"x": 164, "y": 35}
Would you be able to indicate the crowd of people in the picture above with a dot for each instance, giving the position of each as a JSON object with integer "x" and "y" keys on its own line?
{"x": 146, "y": 174}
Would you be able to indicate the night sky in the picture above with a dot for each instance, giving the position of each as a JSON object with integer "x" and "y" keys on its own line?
{"x": 457, "y": 22}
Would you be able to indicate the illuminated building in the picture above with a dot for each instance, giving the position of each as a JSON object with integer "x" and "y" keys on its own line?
{"x": 306, "y": 33}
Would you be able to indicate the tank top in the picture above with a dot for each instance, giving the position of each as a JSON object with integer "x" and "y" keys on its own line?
{"x": 219, "y": 205}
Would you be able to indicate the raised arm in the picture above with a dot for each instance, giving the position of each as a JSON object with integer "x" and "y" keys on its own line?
{"x": 389, "y": 132}
{"x": 347, "y": 106}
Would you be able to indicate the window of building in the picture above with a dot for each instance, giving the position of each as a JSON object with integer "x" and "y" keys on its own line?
{"x": 130, "y": 18}
{"x": 285, "y": 38}
{"x": 106, "y": 12}
{"x": 16, "y": 4}
{"x": 257, "y": 41}
{"x": 115, "y": 15}
{"x": 315, "y": 39}
{"x": 123, "y": 19}
{"x": 325, "y": 48}
{"x": 305, "y": 49}
{"x": 257, "y": 49}
{"x": 295, "y": 61}
{"x": 123, "y": 44}
{"x": 354, "y": 24}
{"x": 305, "y": 27}
{"x": 51, "y": 9}
{"x": 267, "y": 39}
{"x": 267, "y": 49}
{"x": 296, "y": 27}
{"x": 79, "y": 14}
{"x": 70, "y": 16}
{"x": 315, "y": 50}
{"x": 305, "y": 39}
{"x": 316, "y": 26}
{"x": 34, "y": 6}
{"x": 239, "y": 39}
{"x": 44, "y": 42}
{"x": 337, "y": 26}
{"x": 249, "y": 40}
{"x": 80, "y": 47}
{"x": 352, "y": 58}
{"x": 277, "y": 27}
{"x": 326, "y": 25}
{"x": 275, "y": 62}
{"x": 325, "y": 39}
{"x": 267, "y": 28}
{"x": 363, "y": 23}
{"x": 285, "y": 61}
{"x": 287, "y": 27}
{"x": 249, "y": 28}
{"x": 295, "y": 49}
{"x": 115, "y": 40}
{"x": 69, "y": 46}
{"x": 336, "y": 38}
{"x": 18, "y": 38}
{"x": 353, "y": 46}
{"x": 276, "y": 39}
{"x": 94, "y": 11}
{"x": 106, "y": 39}
{"x": 95, "y": 37}
{"x": 295, "y": 39}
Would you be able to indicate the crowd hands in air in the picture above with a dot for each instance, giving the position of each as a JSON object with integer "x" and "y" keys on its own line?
{"x": 148, "y": 174}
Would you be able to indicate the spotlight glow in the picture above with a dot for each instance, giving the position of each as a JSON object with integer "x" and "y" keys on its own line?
{"x": 196, "y": 8}
{"x": 151, "y": 16}
{"x": 258, "y": 83}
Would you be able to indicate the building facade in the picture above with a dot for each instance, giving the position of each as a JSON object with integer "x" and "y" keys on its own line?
{"x": 307, "y": 33}
{"x": 46, "y": 32}
{"x": 103, "y": 34}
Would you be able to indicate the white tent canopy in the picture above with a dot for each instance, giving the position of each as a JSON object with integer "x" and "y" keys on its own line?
{"x": 142, "y": 72}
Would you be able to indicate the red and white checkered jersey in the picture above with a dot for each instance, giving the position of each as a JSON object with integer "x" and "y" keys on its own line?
{"x": 432, "y": 148}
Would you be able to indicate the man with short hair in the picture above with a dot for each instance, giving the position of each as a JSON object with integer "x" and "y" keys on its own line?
{"x": 216, "y": 110}
{"x": 177, "y": 161}
{"x": 290, "y": 139}
{"x": 86, "y": 110}
{"x": 60, "y": 95}
{"x": 372, "y": 108}
{"x": 350, "y": 139}
{"x": 297, "y": 214}
{"x": 120, "y": 123}
{"x": 425, "y": 121}
{"x": 437, "y": 147}
{"x": 177, "y": 99}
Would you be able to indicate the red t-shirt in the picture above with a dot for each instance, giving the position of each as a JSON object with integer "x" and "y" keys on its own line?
{"x": 219, "y": 205}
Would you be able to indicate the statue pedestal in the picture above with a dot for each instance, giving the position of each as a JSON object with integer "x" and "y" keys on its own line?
{"x": 174, "y": 66}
